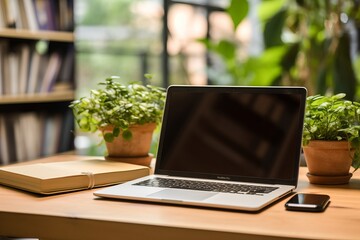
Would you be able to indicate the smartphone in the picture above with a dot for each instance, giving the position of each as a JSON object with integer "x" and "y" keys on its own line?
{"x": 308, "y": 202}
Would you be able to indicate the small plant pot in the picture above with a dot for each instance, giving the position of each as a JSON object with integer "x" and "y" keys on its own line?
{"x": 328, "y": 162}
{"x": 137, "y": 148}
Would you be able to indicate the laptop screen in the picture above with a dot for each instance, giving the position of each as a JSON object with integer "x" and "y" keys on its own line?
{"x": 232, "y": 133}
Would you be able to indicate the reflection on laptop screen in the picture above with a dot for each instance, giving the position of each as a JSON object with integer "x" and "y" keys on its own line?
{"x": 239, "y": 133}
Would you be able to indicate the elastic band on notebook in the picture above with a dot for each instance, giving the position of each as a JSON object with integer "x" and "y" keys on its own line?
{"x": 91, "y": 179}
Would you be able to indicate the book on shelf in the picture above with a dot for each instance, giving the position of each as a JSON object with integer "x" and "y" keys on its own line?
{"x": 8, "y": 138}
{"x": 46, "y": 12}
{"x": 66, "y": 18}
{"x": 30, "y": 14}
{"x": 34, "y": 71}
{"x": 32, "y": 137}
{"x": 12, "y": 83}
{"x": 67, "y": 67}
{"x": 3, "y": 17}
{"x": 9, "y": 72}
{"x": 24, "y": 68}
{"x": 2, "y": 58}
{"x": 52, "y": 133}
{"x": 10, "y": 12}
{"x": 51, "y": 73}
{"x": 19, "y": 139}
{"x": 59, "y": 177}
{"x": 4, "y": 150}
{"x": 20, "y": 13}
{"x": 66, "y": 133}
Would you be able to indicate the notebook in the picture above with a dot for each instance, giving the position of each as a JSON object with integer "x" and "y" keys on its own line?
{"x": 229, "y": 147}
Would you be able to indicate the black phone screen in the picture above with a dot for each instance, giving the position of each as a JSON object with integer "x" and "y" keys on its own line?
{"x": 308, "y": 202}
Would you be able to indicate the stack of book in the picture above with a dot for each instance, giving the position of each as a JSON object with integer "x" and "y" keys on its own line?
{"x": 26, "y": 71}
{"x": 29, "y": 135}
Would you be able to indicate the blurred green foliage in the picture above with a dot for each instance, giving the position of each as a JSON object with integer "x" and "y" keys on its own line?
{"x": 120, "y": 44}
{"x": 306, "y": 43}
{"x": 109, "y": 12}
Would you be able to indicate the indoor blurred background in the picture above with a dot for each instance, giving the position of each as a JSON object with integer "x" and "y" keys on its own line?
{"x": 311, "y": 43}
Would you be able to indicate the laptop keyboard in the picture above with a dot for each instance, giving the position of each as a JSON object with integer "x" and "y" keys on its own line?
{"x": 207, "y": 186}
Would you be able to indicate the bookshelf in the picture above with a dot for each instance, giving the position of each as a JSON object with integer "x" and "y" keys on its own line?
{"x": 37, "y": 78}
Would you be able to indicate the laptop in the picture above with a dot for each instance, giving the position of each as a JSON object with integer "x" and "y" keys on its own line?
{"x": 230, "y": 147}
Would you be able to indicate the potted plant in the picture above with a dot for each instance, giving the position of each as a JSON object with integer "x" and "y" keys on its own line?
{"x": 331, "y": 141}
{"x": 126, "y": 115}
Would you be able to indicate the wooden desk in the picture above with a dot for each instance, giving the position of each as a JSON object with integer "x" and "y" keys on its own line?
{"x": 80, "y": 215}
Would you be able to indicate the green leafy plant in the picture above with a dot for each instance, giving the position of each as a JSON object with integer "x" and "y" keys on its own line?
{"x": 318, "y": 44}
{"x": 332, "y": 118}
{"x": 306, "y": 43}
{"x": 120, "y": 106}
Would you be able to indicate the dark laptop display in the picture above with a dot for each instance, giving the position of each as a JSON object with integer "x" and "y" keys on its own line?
{"x": 230, "y": 133}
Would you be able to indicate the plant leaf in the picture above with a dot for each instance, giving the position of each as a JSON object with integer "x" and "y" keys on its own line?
{"x": 274, "y": 28}
{"x": 108, "y": 137}
{"x": 226, "y": 49}
{"x": 238, "y": 10}
{"x": 356, "y": 160}
{"x": 127, "y": 135}
{"x": 116, "y": 132}
{"x": 289, "y": 59}
{"x": 344, "y": 75}
{"x": 267, "y": 8}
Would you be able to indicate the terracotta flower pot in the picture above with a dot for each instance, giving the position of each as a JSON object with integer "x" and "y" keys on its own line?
{"x": 135, "y": 150}
{"x": 328, "y": 162}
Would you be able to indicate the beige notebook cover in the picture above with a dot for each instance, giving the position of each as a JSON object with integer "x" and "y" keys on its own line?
{"x": 57, "y": 177}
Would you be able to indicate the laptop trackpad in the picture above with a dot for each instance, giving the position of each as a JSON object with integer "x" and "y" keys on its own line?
{"x": 181, "y": 195}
